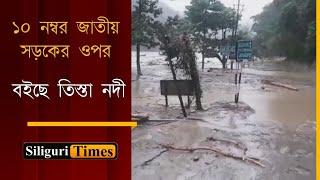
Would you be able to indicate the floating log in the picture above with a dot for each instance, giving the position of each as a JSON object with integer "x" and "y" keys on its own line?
{"x": 268, "y": 82}
{"x": 139, "y": 117}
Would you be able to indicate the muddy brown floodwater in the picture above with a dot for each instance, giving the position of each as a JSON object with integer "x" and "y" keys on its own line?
{"x": 270, "y": 134}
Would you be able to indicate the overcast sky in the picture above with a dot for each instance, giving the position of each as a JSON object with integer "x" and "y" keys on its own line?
{"x": 250, "y": 7}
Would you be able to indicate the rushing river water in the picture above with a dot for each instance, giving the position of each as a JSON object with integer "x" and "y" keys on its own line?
{"x": 274, "y": 124}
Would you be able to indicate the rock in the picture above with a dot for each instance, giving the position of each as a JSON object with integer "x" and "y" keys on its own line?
{"x": 196, "y": 159}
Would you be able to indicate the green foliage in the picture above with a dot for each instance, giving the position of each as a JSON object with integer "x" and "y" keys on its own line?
{"x": 143, "y": 22}
{"x": 172, "y": 28}
{"x": 177, "y": 46}
{"x": 171, "y": 45}
{"x": 206, "y": 18}
{"x": 143, "y": 26}
{"x": 310, "y": 45}
{"x": 286, "y": 28}
{"x": 170, "y": 35}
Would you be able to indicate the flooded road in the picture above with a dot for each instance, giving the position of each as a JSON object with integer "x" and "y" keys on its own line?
{"x": 272, "y": 129}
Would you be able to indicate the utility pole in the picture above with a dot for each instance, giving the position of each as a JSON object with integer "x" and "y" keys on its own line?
{"x": 235, "y": 29}
{"x": 233, "y": 20}
{"x": 237, "y": 21}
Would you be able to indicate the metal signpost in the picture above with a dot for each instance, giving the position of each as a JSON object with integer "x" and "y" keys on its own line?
{"x": 244, "y": 52}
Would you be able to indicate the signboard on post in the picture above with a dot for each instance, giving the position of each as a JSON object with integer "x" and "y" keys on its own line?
{"x": 227, "y": 50}
{"x": 244, "y": 50}
{"x": 177, "y": 87}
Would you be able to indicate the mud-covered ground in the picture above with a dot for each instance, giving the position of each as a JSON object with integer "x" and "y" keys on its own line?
{"x": 270, "y": 134}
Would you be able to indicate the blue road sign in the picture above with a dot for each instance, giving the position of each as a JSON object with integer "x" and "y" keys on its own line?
{"x": 244, "y": 50}
{"x": 227, "y": 50}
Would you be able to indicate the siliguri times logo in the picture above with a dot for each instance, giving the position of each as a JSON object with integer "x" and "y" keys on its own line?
{"x": 70, "y": 150}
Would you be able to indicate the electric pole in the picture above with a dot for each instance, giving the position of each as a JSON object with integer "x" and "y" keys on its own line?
{"x": 237, "y": 21}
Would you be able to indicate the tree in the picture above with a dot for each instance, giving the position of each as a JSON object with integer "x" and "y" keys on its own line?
{"x": 180, "y": 49}
{"x": 188, "y": 58}
{"x": 227, "y": 21}
{"x": 198, "y": 14}
{"x": 143, "y": 32}
{"x": 286, "y": 28}
{"x": 207, "y": 17}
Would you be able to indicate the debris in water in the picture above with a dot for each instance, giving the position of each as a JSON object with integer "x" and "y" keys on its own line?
{"x": 140, "y": 118}
{"x": 196, "y": 159}
{"x": 268, "y": 82}
{"x": 153, "y": 158}
{"x": 191, "y": 150}
{"x": 299, "y": 170}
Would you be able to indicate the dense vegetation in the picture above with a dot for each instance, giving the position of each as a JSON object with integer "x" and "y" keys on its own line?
{"x": 144, "y": 16}
{"x": 286, "y": 28}
{"x": 207, "y": 18}
{"x": 209, "y": 22}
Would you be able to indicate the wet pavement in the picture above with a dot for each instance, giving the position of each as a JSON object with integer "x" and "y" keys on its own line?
{"x": 270, "y": 134}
